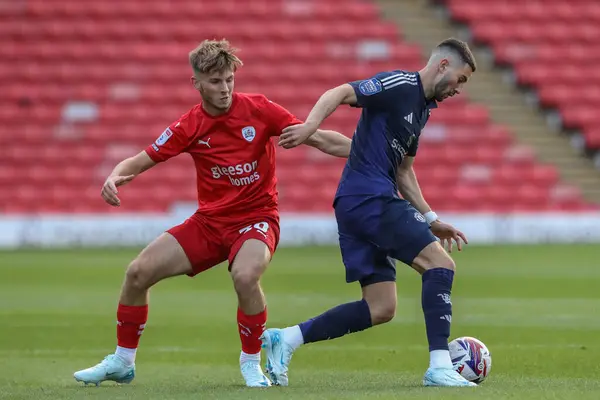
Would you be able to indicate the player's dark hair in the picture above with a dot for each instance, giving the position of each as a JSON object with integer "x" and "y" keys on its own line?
{"x": 462, "y": 49}
{"x": 214, "y": 56}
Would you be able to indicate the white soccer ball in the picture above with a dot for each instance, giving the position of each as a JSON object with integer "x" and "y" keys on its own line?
{"x": 470, "y": 358}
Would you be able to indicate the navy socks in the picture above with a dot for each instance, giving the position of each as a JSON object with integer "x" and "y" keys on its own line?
{"x": 337, "y": 322}
{"x": 437, "y": 308}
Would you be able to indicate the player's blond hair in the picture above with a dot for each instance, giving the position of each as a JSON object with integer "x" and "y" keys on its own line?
{"x": 214, "y": 56}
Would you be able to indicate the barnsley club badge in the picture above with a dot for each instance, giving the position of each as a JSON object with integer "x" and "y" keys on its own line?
{"x": 249, "y": 133}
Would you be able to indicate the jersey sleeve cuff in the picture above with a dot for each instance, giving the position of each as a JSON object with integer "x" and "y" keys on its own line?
{"x": 357, "y": 93}
{"x": 154, "y": 156}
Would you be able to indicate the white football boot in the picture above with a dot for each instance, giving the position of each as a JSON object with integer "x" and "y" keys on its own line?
{"x": 253, "y": 374}
{"x": 279, "y": 355}
{"x": 112, "y": 368}
{"x": 445, "y": 377}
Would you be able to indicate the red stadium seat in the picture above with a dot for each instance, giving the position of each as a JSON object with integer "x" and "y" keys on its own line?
{"x": 130, "y": 61}
{"x": 531, "y": 36}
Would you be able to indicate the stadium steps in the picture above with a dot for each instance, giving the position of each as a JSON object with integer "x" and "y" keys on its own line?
{"x": 427, "y": 26}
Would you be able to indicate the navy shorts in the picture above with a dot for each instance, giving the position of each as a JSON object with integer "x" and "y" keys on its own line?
{"x": 374, "y": 232}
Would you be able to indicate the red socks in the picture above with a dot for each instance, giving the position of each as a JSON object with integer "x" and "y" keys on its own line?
{"x": 251, "y": 327}
{"x": 131, "y": 321}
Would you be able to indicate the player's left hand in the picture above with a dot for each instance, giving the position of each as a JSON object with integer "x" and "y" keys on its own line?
{"x": 295, "y": 135}
{"x": 447, "y": 233}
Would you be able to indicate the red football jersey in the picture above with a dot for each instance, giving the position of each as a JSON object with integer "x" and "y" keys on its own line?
{"x": 233, "y": 153}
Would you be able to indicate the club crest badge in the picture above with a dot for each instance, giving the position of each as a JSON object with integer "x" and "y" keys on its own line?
{"x": 249, "y": 133}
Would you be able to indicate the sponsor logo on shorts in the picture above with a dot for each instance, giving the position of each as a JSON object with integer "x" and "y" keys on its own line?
{"x": 239, "y": 175}
{"x": 419, "y": 217}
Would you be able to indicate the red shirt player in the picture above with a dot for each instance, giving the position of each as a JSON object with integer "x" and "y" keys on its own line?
{"x": 229, "y": 137}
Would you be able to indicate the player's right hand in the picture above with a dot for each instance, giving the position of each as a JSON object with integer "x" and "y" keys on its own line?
{"x": 109, "y": 189}
{"x": 447, "y": 233}
{"x": 295, "y": 135}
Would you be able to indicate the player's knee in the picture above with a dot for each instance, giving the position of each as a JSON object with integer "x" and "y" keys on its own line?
{"x": 381, "y": 298}
{"x": 382, "y": 308}
{"x": 137, "y": 277}
{"x": 382, "y": 312}
{"x": 434, "y": 256}
{"x": 245, "y": 277}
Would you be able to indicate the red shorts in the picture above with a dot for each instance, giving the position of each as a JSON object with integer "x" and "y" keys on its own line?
{"x": 208, "y": 241}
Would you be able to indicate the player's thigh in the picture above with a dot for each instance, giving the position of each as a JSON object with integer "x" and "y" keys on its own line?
{"x": 201, "y": 243}
{"x": 252, "y": 247}
{"x": 365, "y": 262}
{"x": 162, "y": 258}
{"x": 404, "y": 231}
{"x": 433, "y": 256}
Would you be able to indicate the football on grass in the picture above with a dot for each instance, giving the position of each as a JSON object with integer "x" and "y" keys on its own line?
{"x": 470, "y": 358}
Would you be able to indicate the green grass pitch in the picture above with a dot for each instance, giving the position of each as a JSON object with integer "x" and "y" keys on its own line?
{"x": 536, "y": 307}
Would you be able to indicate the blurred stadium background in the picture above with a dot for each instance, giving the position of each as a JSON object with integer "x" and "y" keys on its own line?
{"x": 514, "y": 162}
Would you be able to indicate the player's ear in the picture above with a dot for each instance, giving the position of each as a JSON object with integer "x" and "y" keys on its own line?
{"x": 195, "y": 82}
{"x": 443, "y": 65}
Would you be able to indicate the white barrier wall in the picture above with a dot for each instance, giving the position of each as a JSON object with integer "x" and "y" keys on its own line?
{"x": 296, "y": 229}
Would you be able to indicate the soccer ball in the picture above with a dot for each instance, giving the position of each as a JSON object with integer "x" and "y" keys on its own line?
{"x": 470, "y": 358}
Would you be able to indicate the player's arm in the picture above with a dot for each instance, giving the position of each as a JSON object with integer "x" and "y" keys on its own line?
{"x": 293, "y": 136}
{"x": 328, "y": 102}
{"x": 173, "y": 141}
{"x": 378, "y": 92}
{"x": 409, "y": 188}
{"x": 125, "y": 172}
{"x": 330, "y": 142}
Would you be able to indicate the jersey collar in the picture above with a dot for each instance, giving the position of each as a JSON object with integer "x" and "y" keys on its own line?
{"x": 234, "y": 100}
{"x": 429, "y": 104}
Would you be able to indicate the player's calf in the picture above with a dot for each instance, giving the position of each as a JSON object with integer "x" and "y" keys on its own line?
{"x": 246, "y": 270}
{"x": 437, "y": 277}
{"x": 161, "y": 259}
{"x": 378, "y": 306}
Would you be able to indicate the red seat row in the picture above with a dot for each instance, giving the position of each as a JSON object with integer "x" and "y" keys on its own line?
{"x": 128, "y": 64}
{"x": 552, "y": 46}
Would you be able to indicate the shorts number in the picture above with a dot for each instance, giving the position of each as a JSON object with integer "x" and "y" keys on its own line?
{"x": 260, "y": 226}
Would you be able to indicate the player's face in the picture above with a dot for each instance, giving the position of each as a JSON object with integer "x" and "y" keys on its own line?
{"x": 216, "y": 89}
{"x": 450, "y": 80}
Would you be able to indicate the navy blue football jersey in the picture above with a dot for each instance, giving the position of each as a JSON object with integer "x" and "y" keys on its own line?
{"x": 394, "y": 112}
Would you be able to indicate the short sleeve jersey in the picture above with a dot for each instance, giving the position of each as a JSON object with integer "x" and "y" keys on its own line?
{"x": 233, "y": 153}
{"x": 394, "y": 111}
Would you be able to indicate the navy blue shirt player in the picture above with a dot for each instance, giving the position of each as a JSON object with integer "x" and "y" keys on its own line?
{"x": 374, "y": 223}
{"x": 378, "y": 226}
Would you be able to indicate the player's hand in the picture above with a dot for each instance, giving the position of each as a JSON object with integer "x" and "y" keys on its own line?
{"x": 447, "y": 233}
{"x": 295, "y": 135}
{"x": 109, "y": 189}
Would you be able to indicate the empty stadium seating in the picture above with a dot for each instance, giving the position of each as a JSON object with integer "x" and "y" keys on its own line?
{"x": 86, "y": 84}
{"x": 552, "y": 45}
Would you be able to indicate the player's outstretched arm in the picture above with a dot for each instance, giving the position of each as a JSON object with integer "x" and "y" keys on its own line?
{"x": 330, "y": 142}
{"x": 295, "y": 135}
{"x": 123, "y": 173}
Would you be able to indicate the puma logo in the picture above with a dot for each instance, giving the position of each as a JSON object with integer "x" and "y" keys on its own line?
{"x": 200, "y": 141}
